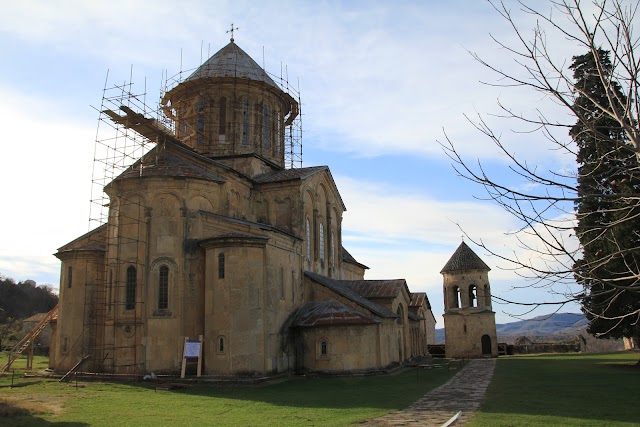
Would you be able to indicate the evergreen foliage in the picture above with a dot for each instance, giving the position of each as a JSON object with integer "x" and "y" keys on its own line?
{"x": 22, "y": 300}
{"x": 607, "y": 207}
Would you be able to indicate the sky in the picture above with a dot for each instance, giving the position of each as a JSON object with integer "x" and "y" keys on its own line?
{"x": 381, "y": 84}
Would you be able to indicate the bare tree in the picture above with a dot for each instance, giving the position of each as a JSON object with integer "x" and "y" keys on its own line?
{"x": 545, "y": 206}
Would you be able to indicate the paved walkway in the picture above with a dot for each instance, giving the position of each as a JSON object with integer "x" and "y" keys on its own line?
{"x": 464, "y": 392}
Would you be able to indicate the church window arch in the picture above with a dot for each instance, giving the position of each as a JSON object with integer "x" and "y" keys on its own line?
{"x": 265, "y": 125}
{"x": 473, "y": 296}
{"x": 163, "y": 288}
{"x": 323, "y": 348}
{"x": 222, "y": 119}
{"x": 220, "y": 347}
{"x": 130, "y": 288}
{"x": 245, "y": 121}
{"x": 308, "y": 236}
{"x": 221, "y": 265}
{"x": 321, "y": 243}
{"x": 455, "y": 297}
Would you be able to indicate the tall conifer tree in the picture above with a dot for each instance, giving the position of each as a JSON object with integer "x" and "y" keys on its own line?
{"x": 608, "y": 208}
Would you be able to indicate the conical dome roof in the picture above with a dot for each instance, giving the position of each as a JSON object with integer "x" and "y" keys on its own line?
{"x": 231, "y": 61}
{"x": 464, "y": 259}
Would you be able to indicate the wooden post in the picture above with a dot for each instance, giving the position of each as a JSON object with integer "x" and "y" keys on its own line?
{"x": 30, "y": 356}
{"x": 184, "y": 358}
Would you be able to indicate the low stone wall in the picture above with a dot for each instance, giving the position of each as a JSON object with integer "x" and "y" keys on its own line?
{"x": 544, "y": 348}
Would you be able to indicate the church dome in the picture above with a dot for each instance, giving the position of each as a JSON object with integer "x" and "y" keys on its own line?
{"x": 464, "y": 259}
{"x": 231, "y": 61}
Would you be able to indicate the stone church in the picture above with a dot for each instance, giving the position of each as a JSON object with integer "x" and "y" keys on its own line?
{"x": 208, "y": 234}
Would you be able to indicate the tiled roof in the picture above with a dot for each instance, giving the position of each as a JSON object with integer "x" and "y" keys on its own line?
{"x": 377, "y": 288}
{"x": 464, "y": 259}
{"x": 418, "y": 298}
{"x": 163, "y": 163}
{"x": 326, "y": 313}
{"x": 414, "y": 316}
{"x": 231, "y": 61}
{"x": 289, "y": 174}
{"x": 340, "y": 287}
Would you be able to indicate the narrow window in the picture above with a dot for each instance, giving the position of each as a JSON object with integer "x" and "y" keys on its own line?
{"x": 69, "y": 277}
{"x": 65, "y": 344}
{"x": 265, "y": 126}
{"x": 323, "y": 348}
{"x": 221, "y": 265}
{"x": 200, "y": 120}
{"x": 308, "y": 241}
{"x": 220, "y": 344}
{"x": 222, "y": 120}
{"x": 245, "y": 121}
{"x": 130, "y": 289}
{"x": 333, "y": 250}
{"x": 163, "y": 288}
{"x": 322, "y": 243}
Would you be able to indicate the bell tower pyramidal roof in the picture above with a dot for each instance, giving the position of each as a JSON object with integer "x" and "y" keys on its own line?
{"x": 464, "y": 259}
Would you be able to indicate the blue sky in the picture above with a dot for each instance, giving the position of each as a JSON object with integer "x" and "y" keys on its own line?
{"x": 380, "y": 84}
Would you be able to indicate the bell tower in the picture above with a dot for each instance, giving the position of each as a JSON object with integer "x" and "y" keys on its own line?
{"x": 469, "y": 321}
{"x": 230, "y": 110}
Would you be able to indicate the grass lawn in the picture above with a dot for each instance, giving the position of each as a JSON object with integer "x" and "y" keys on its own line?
{"x": 298, "y": 402}
{"x": 563, "y": 390}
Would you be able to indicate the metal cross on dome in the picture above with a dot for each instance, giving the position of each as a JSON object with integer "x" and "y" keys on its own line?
{"x": 232, "y": 30}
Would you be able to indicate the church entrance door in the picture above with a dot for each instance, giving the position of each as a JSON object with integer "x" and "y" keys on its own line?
{"x": 486, "y": 345}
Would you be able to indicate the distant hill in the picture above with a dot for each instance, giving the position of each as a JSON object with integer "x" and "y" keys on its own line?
{"x": 563, "y": 324}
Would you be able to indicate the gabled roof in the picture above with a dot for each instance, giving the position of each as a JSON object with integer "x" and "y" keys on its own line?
{"x": 378, "y": 288}
{"x": 231, "y": 61}
{"x": 464, "y": 259}
{"x": 418, "y": 298}
{"x": 328, "y": 313}
{"x": 165, "y": 163}
{"x": 92, "y": 241}
{"x": 347, "y": 257}
{"x": 340, "y": 287}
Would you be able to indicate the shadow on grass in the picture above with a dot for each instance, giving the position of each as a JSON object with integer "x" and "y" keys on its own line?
{"x": 584, "y": 388}
{"x": 387, "y": 392}
{"x": 15, "y": 415}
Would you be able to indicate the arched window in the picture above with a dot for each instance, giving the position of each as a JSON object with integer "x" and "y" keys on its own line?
{"x": 163, "y": 288}
{"x": 200, "y": 120}
{"x": 130, "y": 288}
{"x": 220, "y": 348}
{"x": 324, "y": 348}
{"x": 322, "y": 244}
{"x": 455, "y": 300}
{"x": 221, "y": 265}
{"x": 308, "y": 241}
{"x": 265, "y": 126}
{"x": 245, "y": 121}
{"x": 69, "y": 277}
{"x": 473, "y": 296}
{"x": 222, "y": 119}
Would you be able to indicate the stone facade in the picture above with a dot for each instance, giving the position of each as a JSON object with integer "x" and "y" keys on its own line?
{"x": 208, "y": 234}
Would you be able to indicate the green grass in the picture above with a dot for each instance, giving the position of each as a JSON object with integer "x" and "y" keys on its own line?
{"x": 563, "y": 390}
{"x": 297, "y": 402}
